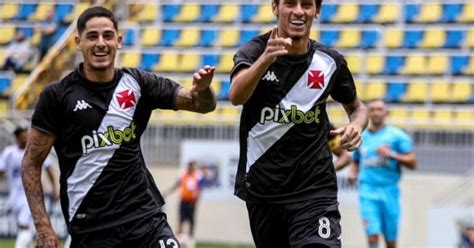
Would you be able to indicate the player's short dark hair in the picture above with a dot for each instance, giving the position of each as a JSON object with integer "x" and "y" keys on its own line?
{"x": 96, "y": 11}
{"x": 318, "y": 3}
{"x": 19, "y": 130}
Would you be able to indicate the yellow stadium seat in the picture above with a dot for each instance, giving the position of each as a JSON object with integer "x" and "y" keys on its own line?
{"x": 8, "y": 33}
{"x": 349, "y": 38}
{"x": 388, "y": 13}
{"x": 346, "y": 13}
{"x": 228, "y": 37}
{"x": 430, "y": 12}
{"x": 130, "y": 59}
{"x": 228, "y": 13}
{"x": 4, "y": 106}
{"x": 420, "y": 116}
{"x": 314, "y": 34}
{"x": 78, "y": 9}
{"x": 189, "y": 12}
{"x": 416, "y": 92}
{"x": 150, "y": 37}
{"x": 467, "y": 15}
{"x": 149, "y": 13}
{"x": 361, "y": 90}
{"x": 437, "y": 64}
{"x": 169, "y": 61}
{"x": 461, "y": 91}
{"x": 41, "y": 12}
{"x": 375, "y": 90}
{"x": 264, "y": 14}
{"x": 8, "y": 10}
{"x": 188, "y": 37}
{"x": 226, "y": 63}
{"x": 398, "y": 115}
{"x": 354, "y": 62}
{"x": 229, "y": 113}
{"x": 393, "y": 37}
{"x": 440, "y": 91}
{"x": 470, "y": 38}
{"x": 442, "y": 117}
{"x": 470, "y": 67}
{"x": 433, "y": 38}
{"x": 189, "y": 62}
{"x": 375, "y": 63}
{"x": 337, "y": 115}
{"x": 464, "y": 116}
{"x": 414, "y": 65}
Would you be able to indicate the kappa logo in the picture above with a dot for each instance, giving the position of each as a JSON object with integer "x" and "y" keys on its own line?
{"x": 126, "y": 99}
{"x": 270, "y": 76}
{"x": 315, "y": 79}
{"x": 81, "y": 105}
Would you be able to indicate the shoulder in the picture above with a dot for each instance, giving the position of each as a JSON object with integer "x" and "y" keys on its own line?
{"x": 255, "y": 46}
{"x": 332, "y": 53}
{"x": 397, "y": 132}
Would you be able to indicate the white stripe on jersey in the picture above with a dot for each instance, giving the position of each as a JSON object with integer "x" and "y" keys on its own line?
{"x": 89, "y": 167}
{"x": 262, "y": 136}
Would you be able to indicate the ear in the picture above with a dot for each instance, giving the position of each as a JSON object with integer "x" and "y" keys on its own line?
{"x": 318, "y": 13}
{"x": 119, "y": 39}
{"x": 275, "y": 8}
{"x": 77, "y": 40}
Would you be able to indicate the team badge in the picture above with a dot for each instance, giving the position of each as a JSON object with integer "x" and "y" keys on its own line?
{"x": 315, "y": 79}
{"x": 126, "y": 99}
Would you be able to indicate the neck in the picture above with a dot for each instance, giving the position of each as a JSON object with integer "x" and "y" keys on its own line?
{"x": 99, "y": 76}
{"x": 374, "y": 128}
{"x": 298, "y": 47}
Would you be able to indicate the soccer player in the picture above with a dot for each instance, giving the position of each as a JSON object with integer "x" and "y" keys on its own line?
{"x": 285, "y": 173}
{"x": 378, "y": 162}
{"x": 94, "y": 117}
{"x": 10, "y": 166}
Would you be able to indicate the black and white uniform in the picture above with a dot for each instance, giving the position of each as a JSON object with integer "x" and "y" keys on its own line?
{"x": 105, "y": 184}
{"x": 285, "y": 171}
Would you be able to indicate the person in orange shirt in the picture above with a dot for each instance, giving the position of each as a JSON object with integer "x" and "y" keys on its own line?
{"x": 190, "y": 183}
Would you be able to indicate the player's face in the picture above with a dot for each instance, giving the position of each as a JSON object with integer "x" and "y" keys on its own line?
{"x": 377, "y": 112}
{"x": 295, "y": 17}
{"x": 99, "y": 43}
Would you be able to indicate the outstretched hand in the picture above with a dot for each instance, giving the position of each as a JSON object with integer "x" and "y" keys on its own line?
{"x": 276, "y": 46}
{"x": 203, "y": 78}
{"x": 350, "y": 136}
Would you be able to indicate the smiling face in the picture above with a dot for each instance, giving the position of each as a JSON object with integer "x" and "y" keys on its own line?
{"x": 295, "y": 17}
{"x": 98, "y": 43}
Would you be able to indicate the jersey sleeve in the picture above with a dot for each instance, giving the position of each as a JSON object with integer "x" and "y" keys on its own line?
{"x": 344, "y": 90}
{"x": 248, "y": 54}
{"x": 45, "y": 116}
{"x": 157, "y": 91}
{"x": 404, "y": 143}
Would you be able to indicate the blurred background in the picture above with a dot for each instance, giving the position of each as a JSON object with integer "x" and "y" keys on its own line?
{"x": 417, "y": 55}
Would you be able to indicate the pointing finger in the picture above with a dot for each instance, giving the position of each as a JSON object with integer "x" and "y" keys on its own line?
{"x": 274, "y": 33}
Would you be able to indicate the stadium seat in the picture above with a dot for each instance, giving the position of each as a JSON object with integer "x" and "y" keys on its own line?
{"x": 466, "y": 15}
{"x": 208, "y": 11}
{"x": 433, "y": 38}
{"x": 442, "y": 117}
{"x": 337, "y": 115}
{"x": 375, "y": 90}
{"x": 188, "y": 37}
{"x": 388, "y": 13}
{"x": 208, "y": 37}
{"x": 168, "y": 62}
{"x": 41, "y": 12}
{"x": 412, "y": 38}
{"x": 190, "y": 62}
{"x": 150, "y": 37}
{"x": 26, "y": 9}
{"x": 430, "y": 13}
{"x": 349, "y": 38}
{"x": 420, "y": 116}
{"x": 247, "y": 11}
{"x": 62, "y": 10}
{"x": 216, "y": 86}
{"x": 8, "y": 10}
{"x": 367, "y": 12}
{"x": 129, "y": 37}
{"x": 209, "y": 59}
{"x": 394, "y": 37}
{"x": 375, "y": 63}
{"x": 361, "y": 88}
{"x": 5, "y": 84}
{"x": 247, "y": 35}
{"x": 354, "y": 62}
{"x": 228, "y": 37}
{"x": 414, "y": 65}
{"x": 346, "y": 13}
{"x": 451, "y": 11}
{"x": 370, "y": 39}
{"x": 398, "y": 115}
{"x": 130, "y": 59}
{"x": 4, "y": 105}
{"x": 264, "y": 14}
{"x": 458, "y": 64}
{"x": 440, "y": 91}
{"x": 170, "y": 11}
{"x": 395, "y": 91}
{"x": 464, "y": 116}
{"x": 455, "y": 38}
{"x": 314, "y": 34}
{"x": 469, "y": 70}
{"x": 461, "y": 91}
{"x": 417, "y": 91}
{"x": 470, "y": 38}
{"x": 228, "y": 12}
{"x": 190, "y": 12}
{"x": 437, "y": 64}
{"x": 149, "y": 61}
{"x": 169, "y": 36}
{"x": 394, "y": 64}
{"x": 226, "y": 63}
{"x": 224, "y": 90}
{"x": 230, "y": 113}
{"x": 149, "y": 13}
{"x": 8, "y": 33}
{"x": 329, "y": 37}
{"x": 328, "y": 11}
{"x": 78, "y": 9}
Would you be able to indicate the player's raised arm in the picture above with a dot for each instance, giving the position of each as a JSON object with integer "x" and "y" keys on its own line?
{"x": 200, "y": 98}
{"x": 244, "y": 82}
{"x": 37, "y": 149}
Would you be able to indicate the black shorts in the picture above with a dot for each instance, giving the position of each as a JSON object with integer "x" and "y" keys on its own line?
{"x": 186, "y": 211}
{"x": 142, "y": 233}
{"x": 305, "y": 224}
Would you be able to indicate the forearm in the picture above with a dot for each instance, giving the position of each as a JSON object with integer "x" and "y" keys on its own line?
{"x": 408, "y": 160}
{"x": 246, "y": 81}
{"x": 357, "y": 114}
{"x": 31, "y": 176}
{"x": 205, "y": 101}
{"x": 342, "y": 161}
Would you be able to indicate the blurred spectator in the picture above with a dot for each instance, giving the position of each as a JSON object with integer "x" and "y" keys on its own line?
{"x": 17, "y": 53}
{"x": 48, "y": 30}
{"x": 467, "y": 233}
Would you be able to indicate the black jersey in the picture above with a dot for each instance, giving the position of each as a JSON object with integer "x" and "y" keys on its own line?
{"x": 284, "y": 156}
{"x": 97, "y": 126}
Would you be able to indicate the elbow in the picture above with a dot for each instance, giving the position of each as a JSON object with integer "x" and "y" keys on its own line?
{"x": 235, "y": 99}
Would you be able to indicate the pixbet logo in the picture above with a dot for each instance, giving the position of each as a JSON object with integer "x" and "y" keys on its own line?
{"x": 110, "y": 137}
{"x": 292, "y": 115}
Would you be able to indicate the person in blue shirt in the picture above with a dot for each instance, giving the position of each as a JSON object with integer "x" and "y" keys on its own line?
{"x": 378, "y": 164}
